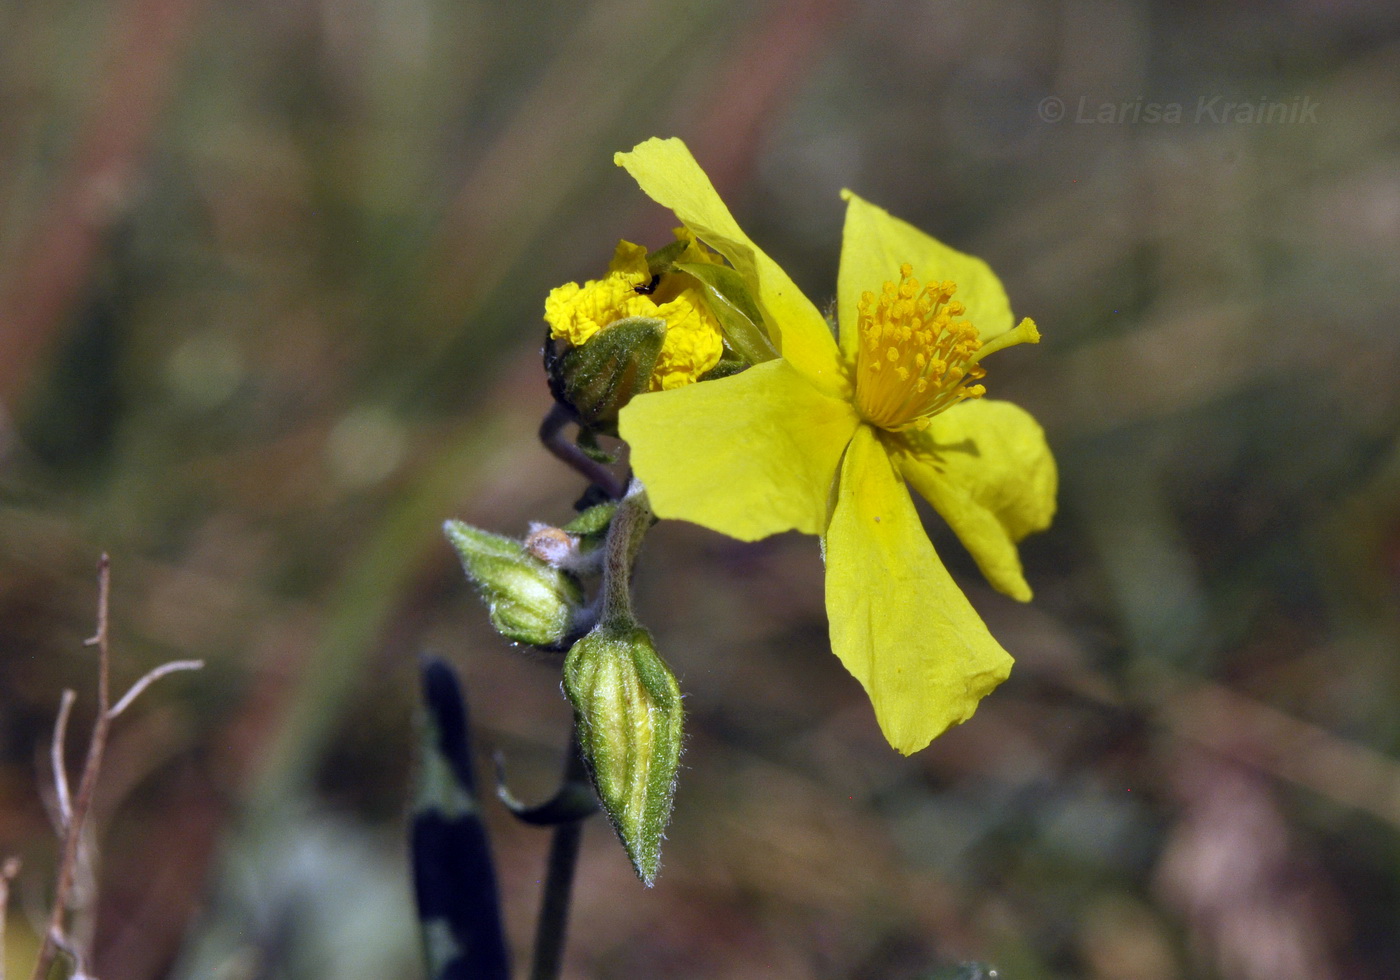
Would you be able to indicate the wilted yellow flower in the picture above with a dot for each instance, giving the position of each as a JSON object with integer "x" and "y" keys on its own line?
{"x": 693, "y": 343}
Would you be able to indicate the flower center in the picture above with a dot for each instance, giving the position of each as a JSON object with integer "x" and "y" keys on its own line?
{"x": 915, "y": 357}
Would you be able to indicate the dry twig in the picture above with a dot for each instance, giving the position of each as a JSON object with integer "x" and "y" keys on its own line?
{"x": 62, "y": 800}
{"x": 73, "y": 810}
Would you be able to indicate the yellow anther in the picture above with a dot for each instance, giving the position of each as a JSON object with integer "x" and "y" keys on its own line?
{"x": 912, "y": 327}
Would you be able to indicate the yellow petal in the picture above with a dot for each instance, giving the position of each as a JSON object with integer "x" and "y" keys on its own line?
{"x": 985, "y": 467}
{"x": 630, "y": 260}
{"x": 692, "y": 345}
{"x": 575, "y": 313}
{"x": 669, "y": 175}
{"x": 748, "y": 455}
{"x": 898, "y": 621}
{"x": 875, "y": 244}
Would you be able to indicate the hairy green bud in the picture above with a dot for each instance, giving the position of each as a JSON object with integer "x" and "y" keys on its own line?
{"x": 597, "y": 378}
{"x": 629, "y": 716}
{"x": 529, "y": 600}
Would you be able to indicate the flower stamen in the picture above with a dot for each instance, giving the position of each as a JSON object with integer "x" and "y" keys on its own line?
{"x": 915, "y": 329}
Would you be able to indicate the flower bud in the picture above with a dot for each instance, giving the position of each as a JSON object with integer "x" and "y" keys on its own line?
{"x": 597, "y": 378}
{"x": 529, "y": 601}
{"x": 629, "y": 717}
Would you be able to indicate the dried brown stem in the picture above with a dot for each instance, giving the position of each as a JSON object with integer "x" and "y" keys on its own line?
{"x": 148, "y": 680}
{"x": 57, "y": 752}
{"x": 73, "y": 811}
{"x": 54, "y": 936}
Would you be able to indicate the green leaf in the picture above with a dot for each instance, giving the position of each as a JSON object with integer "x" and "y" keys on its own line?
{"x": 594, "y": 520}
{"x": 663, "y": 259}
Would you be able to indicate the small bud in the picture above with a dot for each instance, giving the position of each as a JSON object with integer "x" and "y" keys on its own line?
{"x": 597, "y": 378}
{"x": 529, "y": 601}
{"x": 552, "y": 545}
{"x": 629, "y": 716}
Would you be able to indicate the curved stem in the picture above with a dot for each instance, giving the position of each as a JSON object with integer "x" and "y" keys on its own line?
{"x": 551, "y": 430}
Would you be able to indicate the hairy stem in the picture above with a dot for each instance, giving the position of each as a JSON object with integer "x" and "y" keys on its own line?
{"x": 625, "y": 534}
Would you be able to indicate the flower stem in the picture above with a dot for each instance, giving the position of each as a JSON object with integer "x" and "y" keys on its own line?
{"x": 552, "y": 435}
{"x": 629, "y": 526}
{"x": 559, "y": 878}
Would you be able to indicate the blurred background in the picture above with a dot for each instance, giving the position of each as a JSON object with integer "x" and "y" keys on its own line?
{"x": 271, "y": 277}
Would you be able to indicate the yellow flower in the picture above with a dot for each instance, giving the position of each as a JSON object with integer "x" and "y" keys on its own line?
{"x": 693, "y": 344}
{"x": 823, "y": 439}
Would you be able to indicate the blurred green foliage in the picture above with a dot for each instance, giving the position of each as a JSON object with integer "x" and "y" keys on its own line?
{"x": 270, "y": 289}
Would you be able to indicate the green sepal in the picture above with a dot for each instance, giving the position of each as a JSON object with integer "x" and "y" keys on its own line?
{"x": 629, "y": 713}
{"x": 735, "y": 308}
{"x": 728, "y": 365}
{"x": 597, "y": 378}
{"x": 594, "y": 520}
{"x": 591, "y": 529}
{"x": 663, "y": 259}
{"x": 529, "y": 601}
{"x": 587, "y": 442}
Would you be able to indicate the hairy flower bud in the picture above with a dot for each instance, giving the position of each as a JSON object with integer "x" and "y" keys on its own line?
{"x": 529, "y": 601}
{"x": 629, "y": 716}
{"x": 597, "y": 378}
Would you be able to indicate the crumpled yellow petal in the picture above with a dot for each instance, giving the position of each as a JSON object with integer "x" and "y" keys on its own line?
{"x": 873, "y": 246}
{"x": 898, "y": 621}
{"x": 575, "y": 313}
{"x": 630, "y": 259}
{"x": 748, "y": 455}
{"x": 985, "y": 467}
{"x": 692, "y": 345}
{"x": 669, "y": 175}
